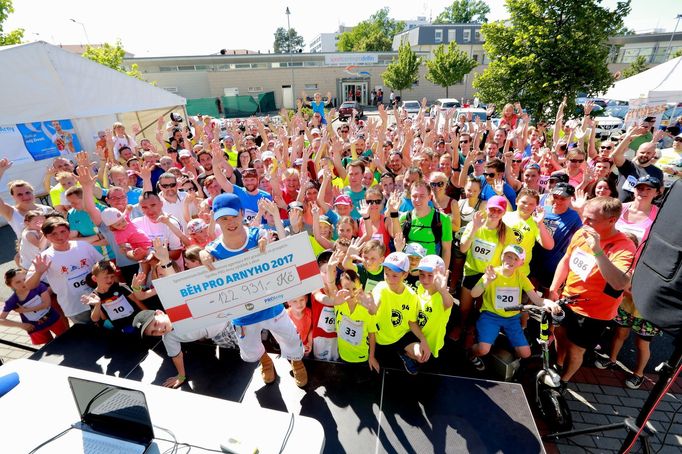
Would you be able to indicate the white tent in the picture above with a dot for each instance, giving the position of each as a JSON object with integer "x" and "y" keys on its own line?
{"x": 662, "y": 83}
{"x": 41, "y": 82}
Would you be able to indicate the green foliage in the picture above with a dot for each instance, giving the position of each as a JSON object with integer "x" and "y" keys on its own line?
{"x": 464, "y": 12}
{"x": 13, "y": 37}
{"x": 640, "y": 64}
{"x": 447, "y": 68}
{"x": 112, "y": 56}
{"x": 372, "y": 35}
{"x": 284, "y": 41}
{"x": 677, "y": 53}
{"x": 547, "y": 50}
{"x": 404, "y": 72}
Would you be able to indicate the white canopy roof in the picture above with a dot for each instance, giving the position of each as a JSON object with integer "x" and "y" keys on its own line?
{"x": 43, "y": 82}
{"x": 662, "y": 83}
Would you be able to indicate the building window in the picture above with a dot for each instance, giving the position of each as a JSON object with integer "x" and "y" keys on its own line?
{"x": 452, "y": 35}
{"x": 255, "y": 89}
{"x": 475, "y": 57}
{"x": 311, "y": 86}
{"x": 477, "y": 35}
{"x": 439, "y": 35}
{"x": 467, "y": 35}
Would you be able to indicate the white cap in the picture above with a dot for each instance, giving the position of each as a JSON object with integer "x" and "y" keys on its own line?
{"x": 398, "y": 262}
{"x": 111, "y": 216}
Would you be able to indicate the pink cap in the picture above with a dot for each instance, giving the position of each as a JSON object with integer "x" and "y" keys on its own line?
{"x": 497, "y": 201}
{"x": 343, "y": 199}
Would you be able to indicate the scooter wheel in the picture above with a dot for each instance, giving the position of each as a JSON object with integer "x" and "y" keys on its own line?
{"x": 555, "y": 410}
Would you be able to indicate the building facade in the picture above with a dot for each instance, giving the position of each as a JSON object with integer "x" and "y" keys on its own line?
{"x": 348, "y": 76}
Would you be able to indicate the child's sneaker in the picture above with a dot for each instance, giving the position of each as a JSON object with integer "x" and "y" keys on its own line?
{"x": 634, "y": 381}
{"x": 604, "y": 363}
{"x": 410, "y": 365}
{"x": 300, "y": 374}
{"x": 267, "y": 369}
{"x": 477, "y": 362}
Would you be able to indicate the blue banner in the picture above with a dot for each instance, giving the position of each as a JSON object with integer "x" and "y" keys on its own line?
{"x": 49, "y": 139}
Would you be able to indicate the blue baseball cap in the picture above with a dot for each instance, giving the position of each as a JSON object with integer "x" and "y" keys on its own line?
{"x": 226, "y": 205}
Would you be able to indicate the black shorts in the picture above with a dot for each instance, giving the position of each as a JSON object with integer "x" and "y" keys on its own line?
{"x": 383, "y": 351}
{"x": 469, "y": 282}
{"x": 585, "y": 332}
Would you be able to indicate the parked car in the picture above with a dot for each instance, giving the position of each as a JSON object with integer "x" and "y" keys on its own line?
{"x": 346, "y": 110}
{"x": 411, "y": 107}
{"x": 476, "y": 112}
{"x": 607, "y": 125}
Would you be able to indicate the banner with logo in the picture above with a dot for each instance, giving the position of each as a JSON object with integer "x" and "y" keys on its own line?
{"x": 26, "y": 142}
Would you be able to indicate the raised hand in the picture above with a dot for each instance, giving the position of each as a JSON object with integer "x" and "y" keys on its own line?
{"x": 580, "y": 200}
{"x": 363, "y": 209}
{"x": 490, "y": 275}
{"x": 490, "y": 110}
{"x": 539, "y": 214}
{"x": 394, "y": 201}
{"x": 592, "y": 238}
{"x": 498, "y": 186}
{"x": 354, "y": 249}
{"x": 399, "y": 241}
{"x": 139, "y": 280}
{"x": 366, "y": 300}
{"x": 478, "y": 220}
{"x": 161, "y": 250}
{"x": 41, "y": 263}
{"x": 90, "y": 299}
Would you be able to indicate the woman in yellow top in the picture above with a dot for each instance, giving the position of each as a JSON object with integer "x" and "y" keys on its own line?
{"x": 483, "y": 241}
{"x": 435, "y": 301}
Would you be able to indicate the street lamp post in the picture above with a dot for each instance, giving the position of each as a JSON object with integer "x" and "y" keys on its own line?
{"x": 87, "y": 39}
{"x": 291, "y": 57}
{"x": 670, "y": 43}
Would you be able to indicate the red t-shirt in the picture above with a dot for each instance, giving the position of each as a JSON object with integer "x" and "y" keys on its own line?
{"x": 323, "y": 318}
{"x": 302, "y": 324}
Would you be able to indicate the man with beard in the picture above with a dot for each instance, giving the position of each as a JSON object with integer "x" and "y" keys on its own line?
{"x": 642, "y": 164}
{"x": 249, "y": 195}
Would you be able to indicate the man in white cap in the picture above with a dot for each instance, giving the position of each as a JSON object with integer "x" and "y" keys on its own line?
{"x": 435, "y": 301}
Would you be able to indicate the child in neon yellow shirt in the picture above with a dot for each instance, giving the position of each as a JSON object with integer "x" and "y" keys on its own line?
{"x": 501, "y": 288}
{"x": 435, "y": 301}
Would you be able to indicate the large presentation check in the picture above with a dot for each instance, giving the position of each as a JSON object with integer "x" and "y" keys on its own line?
{"x": 241, "y": 285}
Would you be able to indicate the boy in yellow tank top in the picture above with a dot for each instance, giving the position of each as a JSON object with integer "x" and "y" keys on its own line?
{"x": 435, "y": 301}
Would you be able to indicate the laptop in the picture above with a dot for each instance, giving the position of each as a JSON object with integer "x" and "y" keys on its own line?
{"x": 113, "y": 420}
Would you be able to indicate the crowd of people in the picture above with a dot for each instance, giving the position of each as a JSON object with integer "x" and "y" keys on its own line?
{"x": 426, "y": 229}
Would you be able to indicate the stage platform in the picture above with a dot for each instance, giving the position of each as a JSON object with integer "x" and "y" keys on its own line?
{"x": 394, "y": 412}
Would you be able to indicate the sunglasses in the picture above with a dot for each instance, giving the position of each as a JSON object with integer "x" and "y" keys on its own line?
{"x": 606, "y": 147}
{"x": 577, "y": 161}
{"x": 479, "y": 161}
{"x": 168, "y": 185}
{"x": 437, "y": 184}
{"x": 517, "y": 161}
{"x": 489, "y": 175}
{"x": 374, "y": 201}
{"x": 463, "y": 141}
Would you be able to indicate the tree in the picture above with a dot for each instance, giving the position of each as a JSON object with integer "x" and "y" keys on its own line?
{"x": 404, "y": 72}
{"x": 111, "y": 56}
{"x": 372, "y": 35}
{"x": 286, "y": 42}
{"x": 448, "y": 68}
{"x": 13, "y": 37}
{"x": 547, "y": 50}
{"x": 677, "y": 53}
{"x": 640, "y": 64}
{"x": 464, "y": 12}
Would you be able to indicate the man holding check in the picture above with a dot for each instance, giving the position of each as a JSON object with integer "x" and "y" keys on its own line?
{"x": 237, "y": 239}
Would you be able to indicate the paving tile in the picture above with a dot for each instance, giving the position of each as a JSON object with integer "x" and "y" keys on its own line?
{"x": 608, "y": 399}
{"x": 631, "y": 402}
{"x": 596, "y": 419}
{"x": 589, "y": 388}
{"x": 609, "y": 443}
{"x": 625, "y": 411}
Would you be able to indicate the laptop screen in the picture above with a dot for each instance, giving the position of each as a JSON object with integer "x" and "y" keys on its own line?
{"x": 113, "y": 410}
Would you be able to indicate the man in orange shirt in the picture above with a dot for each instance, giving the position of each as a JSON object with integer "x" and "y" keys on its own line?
{"x": 596, "y": 268}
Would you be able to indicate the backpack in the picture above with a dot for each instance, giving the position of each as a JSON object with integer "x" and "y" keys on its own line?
{"x": 436, "y": 228}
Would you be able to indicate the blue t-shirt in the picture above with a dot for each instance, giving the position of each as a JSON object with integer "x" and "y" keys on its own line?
{"x": 79, "y": 220}
{"x": 487, "y": 192}
{"x": 318, "y": 107}
{"x": 133, "y": 195}
{"x": 562, "y": 227}
{"x": 218, "y": 250}
{"x": 250, "y": 201}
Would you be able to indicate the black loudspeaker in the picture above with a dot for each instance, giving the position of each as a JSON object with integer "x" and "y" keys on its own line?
{"x": 657, "y": 282}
